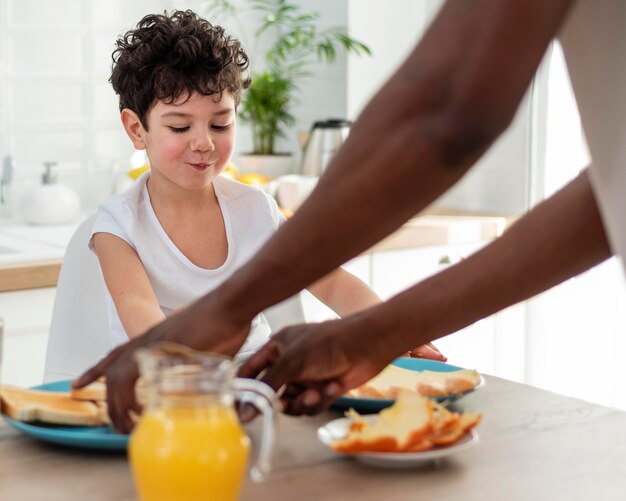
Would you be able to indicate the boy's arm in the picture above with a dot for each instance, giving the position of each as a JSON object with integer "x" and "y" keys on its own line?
{"x": 346, "y": 294}
{"x": 343, "y": 293}
{"x": 128, "y": 284}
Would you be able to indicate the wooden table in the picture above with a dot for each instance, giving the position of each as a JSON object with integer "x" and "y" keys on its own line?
{"x": 534, "y": 445}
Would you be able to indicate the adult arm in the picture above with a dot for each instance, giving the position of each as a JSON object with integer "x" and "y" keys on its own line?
{"x": 560, "y": 238}
{"x": 453, "y": 96}
{"x": 346, "y": 294}
{"x": 455, "y": 93}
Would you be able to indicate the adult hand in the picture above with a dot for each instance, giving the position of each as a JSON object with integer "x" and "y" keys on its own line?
{"x": 428, "y": 350}
{"x": 311, "y": 365}
{"x": 202, "y": 326}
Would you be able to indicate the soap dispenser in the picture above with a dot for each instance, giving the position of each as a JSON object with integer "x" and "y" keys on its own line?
{"x": 50, "y": 203}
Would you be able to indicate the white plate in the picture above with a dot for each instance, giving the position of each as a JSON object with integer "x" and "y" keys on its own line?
{"x": 338, "y": 428}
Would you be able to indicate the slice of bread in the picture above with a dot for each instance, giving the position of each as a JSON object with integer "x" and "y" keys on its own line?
{"x": 398, "y": 428}
{"x": 49, "y": 407}
{"x": 392, "y": 379}
{"x": 96, "y": 391}
{"x": 412, "y": 424}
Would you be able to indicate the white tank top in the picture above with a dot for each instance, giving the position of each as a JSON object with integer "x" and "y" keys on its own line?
{"x": 594, "y": 44}
{"x": 250, "y": 218}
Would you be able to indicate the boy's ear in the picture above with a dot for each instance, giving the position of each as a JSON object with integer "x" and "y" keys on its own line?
{"x": 134, "y": 128}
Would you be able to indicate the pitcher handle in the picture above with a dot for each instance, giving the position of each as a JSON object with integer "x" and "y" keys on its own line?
{"x": 265, "y": 400}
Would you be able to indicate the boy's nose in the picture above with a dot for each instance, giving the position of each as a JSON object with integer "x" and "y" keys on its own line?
{"x": 202, "y": 142}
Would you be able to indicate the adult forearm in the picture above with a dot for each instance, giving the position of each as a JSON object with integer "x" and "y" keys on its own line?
{"x": 448, "y": 102}
{"x": 559, "y": 239}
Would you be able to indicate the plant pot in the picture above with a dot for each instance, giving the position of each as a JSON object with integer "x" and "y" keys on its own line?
{"x": 268, "y": 165}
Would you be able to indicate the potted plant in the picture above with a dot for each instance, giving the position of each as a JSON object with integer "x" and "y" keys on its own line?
{"x": 298, "y": 44}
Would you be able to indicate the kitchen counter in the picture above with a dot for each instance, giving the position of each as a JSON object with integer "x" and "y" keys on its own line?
{"x": 30, "y": 256}
{"x": 534, "y": 444}
{"x": 441, "y": 226}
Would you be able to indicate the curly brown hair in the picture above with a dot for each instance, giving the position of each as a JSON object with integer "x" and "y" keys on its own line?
{"x": 171, "y": 55}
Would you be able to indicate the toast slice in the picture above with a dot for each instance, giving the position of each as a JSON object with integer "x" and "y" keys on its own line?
{"x": 398, "y": 428}
{"x": 393, "y": 379}
{"x": 49, "y": 407}
{"x": 412, "y": 424}
{"x": 96, "y": 391}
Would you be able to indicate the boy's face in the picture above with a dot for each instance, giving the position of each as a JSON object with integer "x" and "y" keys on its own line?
{"x": 189, "y": 142}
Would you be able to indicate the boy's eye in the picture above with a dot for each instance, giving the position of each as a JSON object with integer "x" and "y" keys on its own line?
{"x": 179, "y": 129}
{"x": 220, "y": 127}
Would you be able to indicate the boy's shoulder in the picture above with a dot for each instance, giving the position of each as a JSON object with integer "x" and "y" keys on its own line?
{"x": 128, "y": 199}
{"x": 232, "y": 189}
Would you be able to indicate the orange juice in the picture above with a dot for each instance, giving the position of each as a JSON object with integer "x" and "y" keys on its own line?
{"x": 189, "y": 453}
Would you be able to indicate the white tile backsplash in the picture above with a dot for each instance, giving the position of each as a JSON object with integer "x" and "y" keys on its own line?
{"x": 55, "y": 100}
{"x": 32, "y": 53}
{"x": 37, "y": 147}
{"x": 28, "y": 13}
{"x": 60, "y": 101}
{"x": 111, "y": 144}
{"x": 106, "y": 13}
{"x": 102, "y": 47}
{"x": 105, "y": 102}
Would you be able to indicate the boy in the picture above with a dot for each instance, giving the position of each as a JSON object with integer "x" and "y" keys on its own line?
{"x": 182, "y": 229}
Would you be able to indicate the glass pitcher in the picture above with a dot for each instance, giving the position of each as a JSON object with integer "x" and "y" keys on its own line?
{"x": 189, "y": 444}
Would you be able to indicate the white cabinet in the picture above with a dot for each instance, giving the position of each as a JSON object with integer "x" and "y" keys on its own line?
{"x": 395, "y": 271}
{"x": 26, "y": 317}
{"x": 477, "y": 346}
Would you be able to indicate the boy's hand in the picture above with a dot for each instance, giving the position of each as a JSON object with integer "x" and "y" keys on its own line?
{"x": 197, "y": 327}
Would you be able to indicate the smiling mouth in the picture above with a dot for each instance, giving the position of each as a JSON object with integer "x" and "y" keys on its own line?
{"x": 200, "y": 166}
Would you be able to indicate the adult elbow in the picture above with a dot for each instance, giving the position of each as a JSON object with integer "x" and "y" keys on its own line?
{"x": 466, "y": 135}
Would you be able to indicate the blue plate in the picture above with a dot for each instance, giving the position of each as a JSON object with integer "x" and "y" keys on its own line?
{"x": 367, "y": 405}
{"x": 101, "y": 437}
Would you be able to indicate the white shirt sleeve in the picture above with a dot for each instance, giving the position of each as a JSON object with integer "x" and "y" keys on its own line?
{"x": 113, "y": 218}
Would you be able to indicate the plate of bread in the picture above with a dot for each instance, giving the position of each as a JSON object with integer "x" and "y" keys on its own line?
{"x": 53, "y": 412}
{"x": 429, "y": 378}
{"x": 414, "y": 430}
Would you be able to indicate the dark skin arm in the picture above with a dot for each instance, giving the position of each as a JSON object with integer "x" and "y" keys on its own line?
{"x": 456, "y": 92}
{"x": 560, "y": 238}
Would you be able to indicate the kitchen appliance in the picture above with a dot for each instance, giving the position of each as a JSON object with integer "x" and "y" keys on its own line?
{"x": 325, "y": 139}
{"x": 50, "y": 202}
